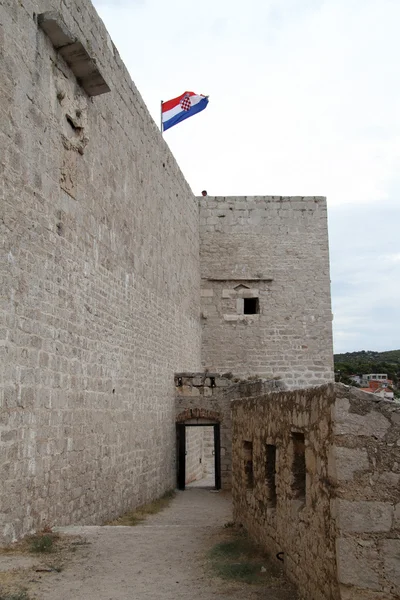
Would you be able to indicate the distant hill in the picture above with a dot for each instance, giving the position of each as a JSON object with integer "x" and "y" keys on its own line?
{"x": 368, "y": 361}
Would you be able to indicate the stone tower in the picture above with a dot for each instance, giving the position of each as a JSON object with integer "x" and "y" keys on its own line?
{"x": 266, "y": 304}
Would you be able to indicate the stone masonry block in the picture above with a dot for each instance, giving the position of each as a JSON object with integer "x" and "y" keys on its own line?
{"x": 343, "y": 462}
{"x": 357, "y": 565}
{"x": 348, "y": 423}
{"x": 221, "y": 382}
{"x": 353, "y": 593}
{"x": 391, "y": 558}
{"x": 363, "y": 516}
{"x": 397, "y": 516}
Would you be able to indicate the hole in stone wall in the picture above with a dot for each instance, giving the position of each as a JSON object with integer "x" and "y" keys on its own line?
{"x": 75, "y": 128}
{"x": 60, "y": 228}
{"x": 299, "y": 466}
{"x": 251, "y": 306}
{"x": 248, "y": 464}
{"x": 270, "y": 473}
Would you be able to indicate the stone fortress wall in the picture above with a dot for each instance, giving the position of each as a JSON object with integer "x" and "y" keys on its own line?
{"x": 100, "y": 276}
{"x": 316, "y": 477}
{"x": 267, "y": 254}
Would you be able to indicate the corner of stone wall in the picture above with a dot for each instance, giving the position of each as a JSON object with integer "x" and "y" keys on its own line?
{"x": 364, "y": 470}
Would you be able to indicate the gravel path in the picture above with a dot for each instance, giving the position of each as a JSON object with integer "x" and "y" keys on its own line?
{"x": 161, "y": 559}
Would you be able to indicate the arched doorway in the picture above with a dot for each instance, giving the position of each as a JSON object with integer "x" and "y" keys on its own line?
{"x": 197, "y": 418}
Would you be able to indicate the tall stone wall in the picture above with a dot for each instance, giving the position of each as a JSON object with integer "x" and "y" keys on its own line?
{"x": 100, "y": 277}
{"x": 315, "y": 477}
{"x": 268, "y": 254}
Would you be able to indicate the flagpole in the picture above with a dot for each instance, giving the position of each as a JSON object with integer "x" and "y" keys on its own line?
{"x": 161, "y": 125}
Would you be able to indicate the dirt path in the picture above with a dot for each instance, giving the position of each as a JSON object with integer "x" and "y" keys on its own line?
{"x": 161, "y": 559}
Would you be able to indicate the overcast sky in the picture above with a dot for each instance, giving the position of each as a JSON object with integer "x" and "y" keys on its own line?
{"x": 304, "y": 100}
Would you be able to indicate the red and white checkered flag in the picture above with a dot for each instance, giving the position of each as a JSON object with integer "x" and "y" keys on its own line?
{"x": 185, "y": 102}
{"x": 180, "y": 108}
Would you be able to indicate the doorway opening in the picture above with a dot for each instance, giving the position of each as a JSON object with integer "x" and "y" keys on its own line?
{"x": 198, "y": 455}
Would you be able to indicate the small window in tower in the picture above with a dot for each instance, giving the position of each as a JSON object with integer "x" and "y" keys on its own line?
{"x": 251, "y": 306}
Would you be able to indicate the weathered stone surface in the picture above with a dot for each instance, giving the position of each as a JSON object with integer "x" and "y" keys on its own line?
{"x": 344, "y": 463}
{"x": 391, "y": 559}
{"x": 206, "y": 293}
{"x": 397, "y": 516}
{"x": 352, "y": 593}
{"x": 347, "y": 422}
{"x": 358, "y": 565}
{"x": 361, "y": 516}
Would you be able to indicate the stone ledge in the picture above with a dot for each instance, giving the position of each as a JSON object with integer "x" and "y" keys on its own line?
{"x": 241, "y": 318}
{"x": 232, "y": 293}
{"x": 74, "y": 53}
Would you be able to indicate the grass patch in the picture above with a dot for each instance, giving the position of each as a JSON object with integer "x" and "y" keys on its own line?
{"x": 232, "y": 549}
{"x": 22, "y": 595}
{"x": 35, "y": 557}
{"x": 246, "y": 572}
{"x": 239, "y": 559}
{"x": 43, "y": 542}
{"x": 138, "y": 515}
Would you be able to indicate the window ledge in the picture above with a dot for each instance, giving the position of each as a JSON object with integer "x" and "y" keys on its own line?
{"x": 241, "y": 318}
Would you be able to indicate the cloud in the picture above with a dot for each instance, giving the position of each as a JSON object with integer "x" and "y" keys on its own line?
{"x": 365, "y": 272}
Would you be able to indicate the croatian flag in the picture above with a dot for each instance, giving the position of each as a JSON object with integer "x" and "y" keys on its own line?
{"x": 181, "y": 108}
